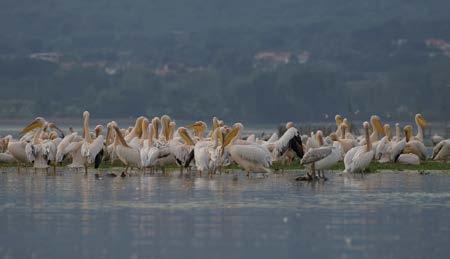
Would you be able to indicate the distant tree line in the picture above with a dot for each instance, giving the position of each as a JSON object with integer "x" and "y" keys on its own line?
{"x": 195, "y": 59}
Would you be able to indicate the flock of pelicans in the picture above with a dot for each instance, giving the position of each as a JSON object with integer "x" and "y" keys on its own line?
{"x": 158, "y": 143}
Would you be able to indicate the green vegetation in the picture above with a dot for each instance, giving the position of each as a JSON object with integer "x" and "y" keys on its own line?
{"x": 194, "y": 59}
{"x": 374, "y": 167}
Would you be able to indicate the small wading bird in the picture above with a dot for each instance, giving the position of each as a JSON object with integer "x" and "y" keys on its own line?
{"x": 159, "y": 143}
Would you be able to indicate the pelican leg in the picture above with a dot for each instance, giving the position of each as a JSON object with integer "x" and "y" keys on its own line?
{"x": 85, "y": 169}
{"x": 313, "y": 169}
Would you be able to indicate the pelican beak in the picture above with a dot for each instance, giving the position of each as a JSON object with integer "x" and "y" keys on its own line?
{"x": 231, "y": 136}
{"x": 185, "y": 136}
{"x": 421, "y": 121}
{"x": 36, "y": 123}
{"x": 60, "y": 132}
{"x": 378, "y": 127}
{"x": 338, "y": 118}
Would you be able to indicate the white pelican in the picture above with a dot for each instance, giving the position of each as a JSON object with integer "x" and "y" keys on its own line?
{"x": 129, "y": 156}
{"x": 442, "y": 151}
{"x": 397, "y": 136}
{"x": 136, "y": 130}
{"x": 208, "y": 156}
{"x": 408, "y": 159}
{"x": 156, "y": 150}
{"x": 358, "y": 158}
{"x": 421, "y": 124}
{"x": 387, "y": 149}
{"x": 414, "y": 146}
{"x": 199, "y": 128}
{"x": 348, "y": 133}
{"x": 17, "y": 148}
{"x": 435, "y": 139}
{"x": 339, "y": 120}
{"x": 91, "y": 149}
{"x": 182, "y": 147}
{"x": 251, "y": 157}
{"x": 71, "y": 146}
{"x": 320, "y": 159}
{"x": 345, "y": 142}
{"x": 41, "y": 152}
{"x": 315, "y": 141}
{"x": 287, "y": 146}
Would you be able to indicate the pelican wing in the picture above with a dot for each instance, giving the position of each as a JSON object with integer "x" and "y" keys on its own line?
{"x": 251, "y": 138}
{"x": 61, "y": 149}
{"x": 361, "y": 160}
{"x": 348, "y": 158}
{"x": 397, "y": 149}
{"x": 252, "y": 153}
{"x": 437, "y": 148}
{"x": 7, "y": 158}
{"x": 315, "y": 154}
{"x": 91, "y": 150}
{"x": 273, "y": 138}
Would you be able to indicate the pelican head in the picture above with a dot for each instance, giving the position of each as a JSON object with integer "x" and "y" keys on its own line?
{"x": 198, "y": 127}
{"x": 333, "y": 136}
{"x": 346, "y": 123}
{"x": 289, "y": 125}
{"x": 98, "y": 130}
{"x": 53, "y": 135}
{"x": 155, "y": 126}
{"x": 420, "y": 120}
{"x": 319, "y": 136}
{"x": 144, "y": 128}
{"x": 408, "y": 132}
{"x": 85, "y": 114}
{"x": 376, "y": 124}
{"x": 366, "y": 125}
{"x": 387, "y": 131}
{"x": 339, "y": 119}
{"x": 53, "y": 126}
{"x": 182, "y": 131}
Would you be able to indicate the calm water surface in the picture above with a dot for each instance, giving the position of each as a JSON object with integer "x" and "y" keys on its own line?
{"x": 384, "y": 215}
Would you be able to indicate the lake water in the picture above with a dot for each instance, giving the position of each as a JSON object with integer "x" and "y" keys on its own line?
{"x": 70, "y": 215}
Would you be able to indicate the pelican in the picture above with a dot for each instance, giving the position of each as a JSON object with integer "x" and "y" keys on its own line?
{"x": 288, "y": 145}
{"x": 345, "y": 142}
{"x": 435, "y": 139}
{"x": 442, "y": 151}
{"x": 387, "y": 149}
{"x": 251, "y": 157}
{"x": 41, "y": 152}
{"x": 136, "y": 131}
{"x": 348, "y": 134}
{"x": 5, "y": 156}
{"x": 129, "y": 156}
{"x": 17, "y": 148}
{"x": 315, "y": 141}
{"x": 199, "y": 129}
{"x": 70, "y": 145}
{"x": 414, "y": 146}
{"x": 339, "y": 120}
{"x": 358, "y": 158}
{"x": 207, "y": 154}
{"x": 421, "y": 124}
{"x": 408, "y": 159}
{"x": 320, "y": 159}
{"x": 91, "y": 149}
{"x": 397, "y": 136}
